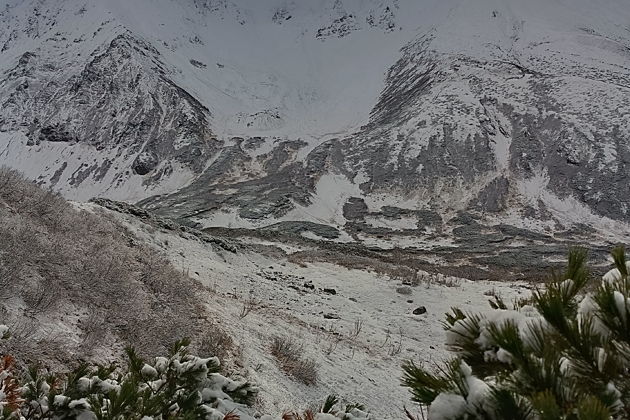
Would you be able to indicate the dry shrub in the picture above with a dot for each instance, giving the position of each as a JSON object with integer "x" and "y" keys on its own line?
{"x": 393, "y": 270}
{"x": 87, "y": 270}
{"x": 308, "y": 415}
{"x": 218, "y": 343}
{"x": 289, "y": 355}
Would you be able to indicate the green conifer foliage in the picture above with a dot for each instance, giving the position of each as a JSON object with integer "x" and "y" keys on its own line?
{"x": 563, "y": 354}
{"x": 180, "y": 386}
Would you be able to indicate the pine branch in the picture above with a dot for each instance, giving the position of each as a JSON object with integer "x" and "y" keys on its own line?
{"x": 424, "y": 386}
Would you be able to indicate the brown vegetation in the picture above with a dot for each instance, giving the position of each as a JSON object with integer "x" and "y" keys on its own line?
{"x": 289, "y": 356}
{"x": 75, "y": 280}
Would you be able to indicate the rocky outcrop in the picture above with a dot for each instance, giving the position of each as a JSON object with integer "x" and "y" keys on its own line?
{"x": 120, "y": 104}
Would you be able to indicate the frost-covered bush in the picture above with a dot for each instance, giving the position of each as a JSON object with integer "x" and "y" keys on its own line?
{"x": 77, "y": 282}
{"x": 180, "y": 386}
{"x": 563, "y": 354}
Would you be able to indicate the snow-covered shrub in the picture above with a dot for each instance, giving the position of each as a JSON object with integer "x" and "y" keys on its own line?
{"x": 180, "y": 386}
{"x": 563, "y": 354}
{"x": 219, "y": 344}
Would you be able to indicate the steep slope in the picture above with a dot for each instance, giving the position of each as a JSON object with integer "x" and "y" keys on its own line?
{"x": 515, "y": 113}
{"x": 529, "y": 125}
{"x": 145, "y": 84}
{"x": 79, "y": 282}
{"x": 379, "y": 116}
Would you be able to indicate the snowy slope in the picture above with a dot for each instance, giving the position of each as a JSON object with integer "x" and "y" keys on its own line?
{"x": 360, "y": 364}
{"x": 248, "y": 67}
{"x": 516, "y": 111}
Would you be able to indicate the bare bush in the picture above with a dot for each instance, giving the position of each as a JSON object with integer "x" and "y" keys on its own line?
{"x": 38, "y": 298}
{"x": 217, "y": 343}
{"x": 63, "y": 263}
{"x": 249, "y": 305}
{"x": 289, "y": 356}
{"x": 333, "y": 343}
{"x": 395, "y": 347}
{"x": 405, "y": 275}
{"x": 357, "y": 328}
{"x": 94, "y": 330}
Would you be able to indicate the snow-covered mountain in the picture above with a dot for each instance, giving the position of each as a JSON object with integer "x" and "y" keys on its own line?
{"x": 384, "y": 117}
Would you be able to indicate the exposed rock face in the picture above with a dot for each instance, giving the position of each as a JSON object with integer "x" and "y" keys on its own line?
{"x": 228, "y": 182}
{"x": 322, "y": 231}
{"x": 493, "y": 198}
{"x": 116, "y": 112}
{"x": 355, "y": 208}
{"x": 145, "y": 163}
{"x": 472, "y": 148}
{"x": 384, "y": 19}
{"x": 342, "y": 26}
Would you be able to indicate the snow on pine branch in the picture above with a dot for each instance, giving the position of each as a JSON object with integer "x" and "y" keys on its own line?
{"x": 562, "y": 353}
{"x": 180, "y": 386}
